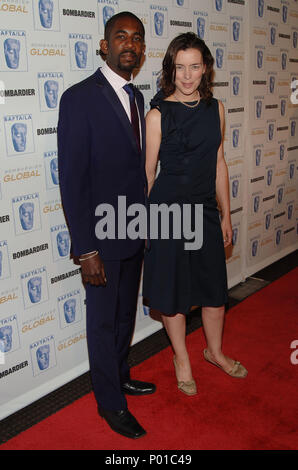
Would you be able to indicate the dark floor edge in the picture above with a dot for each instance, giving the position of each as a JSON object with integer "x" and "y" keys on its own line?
{"x": 77, "y": 388}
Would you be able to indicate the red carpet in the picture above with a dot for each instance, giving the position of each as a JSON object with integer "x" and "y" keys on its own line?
{"x": 259, "y": 412}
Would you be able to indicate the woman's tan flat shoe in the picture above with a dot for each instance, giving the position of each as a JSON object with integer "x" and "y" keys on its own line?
{"x": 238, "y": 370}
{"x": 189, "y": 387}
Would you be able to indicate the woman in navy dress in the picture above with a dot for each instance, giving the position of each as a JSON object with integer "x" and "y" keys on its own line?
{"x": 185, "y": 133}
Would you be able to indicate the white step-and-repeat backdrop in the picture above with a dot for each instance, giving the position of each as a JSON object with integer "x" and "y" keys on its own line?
{"x": 48, "y": 45}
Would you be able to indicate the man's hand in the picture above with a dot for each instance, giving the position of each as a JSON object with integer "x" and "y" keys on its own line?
{"x": 93, "y": 270}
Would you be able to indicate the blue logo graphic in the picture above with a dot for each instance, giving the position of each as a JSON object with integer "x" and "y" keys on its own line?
{"x": 295, "y": 39}
{"x": 290, "y": 211}
{"x": 6, "y": 338}
{"x": 271, "y": 83}
{"x": 107, "y": 13}
{"x": 269, "y": 177}
{"x": 283, "y": 107}
{"x": 26, "y": 213}
{"x": 235, "y": 186}
{"x": 236, "y": 31}
{"x": 81, "y": 51}
{"x": 272, "y": 35}
{"x": 293, "y": 128}
{"x": 236, "y": 84}
{"x": 260, "y": 56}
{"x": 12, "y": 52}
{"x": 281, "y": 151}
{"x": 235, "y": 138}
{"x": 70, "y": 308}
{"x": 256, "y": 204}
{"x": 260, "y": 8}
{"x": 234, "y": 236}
{"x": 51, "y": 88}
{"x": 201, "y": 25}
{"x": 219, "y": 56}
{"x": 159, "y": 19}
{"x": 280, "y": 193}
{"x": 284, "y": 13}
{"x": 34, "y": 287}
{"x": 284, "y": 61}
{"x": 268, "y": 221}
{"x": 19, "y": 134}
{"x": 254, "y": 248}
{"x": 258, "y": 156}
{"x": 43, "y": 355}
{"x": 258, "y": 109}
{"x": 270, "y": 131}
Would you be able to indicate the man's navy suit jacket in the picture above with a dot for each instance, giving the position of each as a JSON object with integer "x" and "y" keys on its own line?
{"x": 98, "y": 161}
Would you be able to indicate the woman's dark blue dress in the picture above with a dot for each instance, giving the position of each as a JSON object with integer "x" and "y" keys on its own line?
{"x": 176, "y": 279}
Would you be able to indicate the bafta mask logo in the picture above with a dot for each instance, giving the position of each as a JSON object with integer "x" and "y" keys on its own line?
{"x": 290, "y": 211}
{"x": 283, "y": 61}
{"x": 81, "y": 54}
{"x": 51, "y": 88}
{"x": 236, "y": 84}
{"x": 254, "y": 248}
{"x": 269, "y": 177}
{"x": 107, "y": 13}
{"x": 258, "y": 157}
{"x": 259, "y": 59}
{"x": 260, "y": 8}
{"x": 219, "y": 54}
{"x": 295, "y": 39}
{"x": 1, "y": 257}
{"x": 234, "y": 236}
{"x": 43, "y": 356}
{"x": 278, "y": 237}
{"x": 291, "y": 170}
{"x": 235, "y": 137}
{"x": 159, "y": 19}
{"x": 284, "y": 13}
{"x": 280, "y": 194}
{"x": 258, "y": 109}
{"x": 236, "y": 30}
{"x": 63, "y": 243}
{"x": 12, "y": 52}
{"x": 281, "y": 151}
{"x": 235, "y": 186}
{"x": 19, "y": 136}
{"x": 256, "y": 204}
{"x": 271, "y": 83}
{"x": 69, "y": 308}
{"x": 5, "y": 338}
{"x": 26, "y": 214}
{"x": 272, "y": 35}
{"x": 293, "y": 128}
{"x": 267, "y": 221}
{"x": 282, "y": 107}
{"x": 218, "y": 5}
{"x": 45, "y": 8}
{"x": 34, "y": 289}
{"x": 201, "y": 24}
{"x": 54, "y": 170}
{"x": 271, "y": 131}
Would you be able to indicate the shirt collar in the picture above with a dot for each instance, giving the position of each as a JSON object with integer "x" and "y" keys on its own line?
{"x": 115, "y": 80}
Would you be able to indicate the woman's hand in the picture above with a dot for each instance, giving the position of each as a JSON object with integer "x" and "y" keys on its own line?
{"x": 227, "y": 231}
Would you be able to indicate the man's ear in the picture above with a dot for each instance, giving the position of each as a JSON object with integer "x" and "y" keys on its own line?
{"x": 104, "y": 46}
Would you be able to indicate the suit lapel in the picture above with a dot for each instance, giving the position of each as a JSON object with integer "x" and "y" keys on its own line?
{"x": 108, "y": 91}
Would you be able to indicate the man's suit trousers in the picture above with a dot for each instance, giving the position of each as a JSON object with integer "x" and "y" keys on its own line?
{"x": 111, "y": 312}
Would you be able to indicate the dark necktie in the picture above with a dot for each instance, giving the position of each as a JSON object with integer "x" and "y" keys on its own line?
{"x": 129, "y": 88}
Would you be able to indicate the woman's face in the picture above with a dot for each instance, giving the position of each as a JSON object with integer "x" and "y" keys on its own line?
{"x": 189, "y": 70}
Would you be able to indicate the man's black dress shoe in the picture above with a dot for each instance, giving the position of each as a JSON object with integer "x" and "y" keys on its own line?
{"x": 122, "y": 422}
{"x": 135, "y": 387}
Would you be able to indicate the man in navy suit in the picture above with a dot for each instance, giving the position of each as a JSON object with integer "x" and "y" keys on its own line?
{"x": 101, "y": 147}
